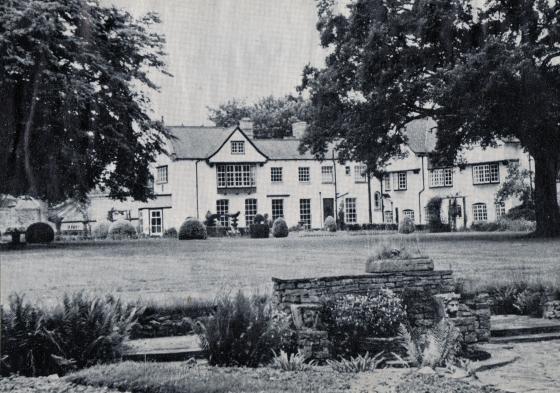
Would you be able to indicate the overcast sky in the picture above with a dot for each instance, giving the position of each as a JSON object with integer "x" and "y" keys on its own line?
{"x": 221, "y": 49}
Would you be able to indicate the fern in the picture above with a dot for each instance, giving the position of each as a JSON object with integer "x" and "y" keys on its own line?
{"x": 293, "y": 362}
{"x": 357, "y": 364}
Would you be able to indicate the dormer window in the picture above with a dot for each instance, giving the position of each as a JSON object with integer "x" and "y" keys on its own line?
{"x": 161, "y": 175}
{"x": 237, "y": 147}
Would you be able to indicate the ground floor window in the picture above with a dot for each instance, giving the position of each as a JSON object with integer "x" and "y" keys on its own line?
{"x": 388, "y": 216}
{"x": 222, "y": 209}
{"x": 156, "y": 222}
{"x": 479, "y": 212}
{"x": 500, "y": 210}
{"x": 305, "y": 212}
{"x": 250, "y": 211}
{"x": 277, "y": 208}
{"x": 377, "y": 200}
{"x": 350, "y": 211}
{"x": 409, "y": 213}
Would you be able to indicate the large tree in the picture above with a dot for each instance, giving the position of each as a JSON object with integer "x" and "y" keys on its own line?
{"x": 272, "y": 117}
{"x": 481, "y": 74}
{"x": 74, "y": 84}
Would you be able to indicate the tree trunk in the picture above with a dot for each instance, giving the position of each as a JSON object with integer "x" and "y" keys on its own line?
{"x": 27, "y": 137}
{"x": 546, "y": 202}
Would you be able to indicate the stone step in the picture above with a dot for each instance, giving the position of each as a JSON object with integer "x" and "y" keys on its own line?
{"x": 163, "y": 349}
{"x": 521, "y": 325}
{"x": 526, "y": 338}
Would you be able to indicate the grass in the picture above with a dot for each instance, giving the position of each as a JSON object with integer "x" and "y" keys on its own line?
{"x": 167, "y": 270}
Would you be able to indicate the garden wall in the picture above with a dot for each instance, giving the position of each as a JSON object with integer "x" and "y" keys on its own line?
{"x": 302, "y": 298}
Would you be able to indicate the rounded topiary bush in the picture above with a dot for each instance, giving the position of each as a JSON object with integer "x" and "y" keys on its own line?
{"x": 171, "y": 232}
{"x": 280, "y": 228}
{"x": 100, "y": 230}
{"x": 192, "y": 229}
{"x": 406, "y": 225}
{"x": 259, "y": 219}
{"x": 122, "y": 229}
{"x": 39, "y": 232}
{"x": 330, "y": 224}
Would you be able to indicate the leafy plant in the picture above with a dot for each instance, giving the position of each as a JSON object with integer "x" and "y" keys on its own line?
{"x": 39, "y": 232}
{"x": 393, "y": 249}
{"x": 357, "y": 364}
{"x": 280, "y": 228}
{"x": 529, "y": 302}
{"x": 170, "y": 233}
{"x": 293, "y": 362}
{"x": 192, "y": 229}
{"x": 101, "y": 230}
{"x": 330, "y": 224}
{"x": 406, "y": 225}
{"x": 122, "y": 229}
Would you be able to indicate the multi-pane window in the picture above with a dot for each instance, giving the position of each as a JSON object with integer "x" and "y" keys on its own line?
{"x": 237, "y": 147}
{"x": 161, "y": 175}
{"x": 276, "y": 175}
{"x": 399, "y": 181}
{"x": 377, "y": 200}
{"x": 388, "y": 217}
{"x": 236, "y": 175}
{"x": 441, "y": 177}
{"x": 387, "y": 182}
{"x": 409, "y": 213}
{"x": 327, "y": 174}
{"x": 479, "y": 212}
{"x": 305, "y": 212}
{"x": 250, "y": 211}
{"x": 360, "y": 175}
{"x": 486, "y": 173}
{"x": 350, "y": 210}
{"x": 156, "y": 221}
{"x": 500, "y": 209}
{"x": 303, "y": 174}
{"x": 222, "y": 209}
{"x": 277, "y": 208}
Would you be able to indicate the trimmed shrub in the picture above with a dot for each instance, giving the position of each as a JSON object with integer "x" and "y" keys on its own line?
{"x": 100, "y": 230}
{"x": 525, "y": 212}
{"x": 192, "y": 229}
{"x": 39, "y": 232}
{"x": 259, "y": 219}
{"x": 280, "y": 228}
{"x": 406, "y": 225}
{"x": 330, "y": 224}
{"x": 122, "y": 229}
{"x": 434, "y": 216}
{"x": 171, "y": 233}
{"x": 259, "y": 231}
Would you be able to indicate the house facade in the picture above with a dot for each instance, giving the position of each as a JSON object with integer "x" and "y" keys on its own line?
{"x": 227, "y": 170}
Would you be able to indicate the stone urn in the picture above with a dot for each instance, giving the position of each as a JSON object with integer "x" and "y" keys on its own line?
{"x": 399, "y": 265}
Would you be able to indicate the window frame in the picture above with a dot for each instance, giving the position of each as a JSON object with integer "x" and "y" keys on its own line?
{"x": 350, "y": 210}
{"x": 302, "y": 174}
{"x": 397, "y": 186}
{"x": 237, "y": 147}
{"x": 477, "y": 212}
{"x": 409, "y": 213}
{"x": 500, "y": 209}
{"x": 224, "y": 221}
{"x": 152, "y": 218}
{"x": 359, "y": 175}
{"x": 327, "y": 170}
{"x": 236, "y": 175}
{"x": 250, "y": 216}
{"x": 279, "y": 174}
{"x": 162, "y": 169}
{"x": 387, "y": 182}
{"x": 388, "y": 217}
{"x": 377, "y": 200}
{"x": 274, "y": 209}
{"x": 484, "y": 173}
{"x": 305, "y": 212}
{"x": 444, "y": 177}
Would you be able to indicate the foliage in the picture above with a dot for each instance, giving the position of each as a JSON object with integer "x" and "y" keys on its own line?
{"x": 293, "y": 362}
{"x": 330, "y": 224}
{"x": 122, "y": 229}
{"x": 210, "y": 219}
{"x": 434, "y": 215}
{"x": 280, "y": 228}
{"x": 406, "y": 225}
{"x": 517, "y": 185}
{"x": 357, "y": 364}
{"x": 350, "y": 319}
{"x": 482, "y": 76}
{"x": 192, "y": 229}
{"x": 39, "y": 232}
{"x": 75, "y": 81}
{"x": 101, "y": 230}
{"x": 259, "y": 219}
{"x": 244, "y": 331}
{"x": 170, "y": 233}
{"x": 259, "y": 231}
{"x": 521, "y": 212}
{"x": 394, "y": 249}
{"x": 272, "y": 117}
{"x": 529, "y": 302}
{"x": 438, "y": 347}
{"x": 504, "y": 224}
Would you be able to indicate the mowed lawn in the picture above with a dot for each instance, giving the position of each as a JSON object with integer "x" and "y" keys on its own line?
{"x": 163, "y": 270}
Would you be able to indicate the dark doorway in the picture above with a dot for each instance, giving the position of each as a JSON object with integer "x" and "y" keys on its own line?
{"x": 396, "y": 215}
{"x": 328, "y": 208}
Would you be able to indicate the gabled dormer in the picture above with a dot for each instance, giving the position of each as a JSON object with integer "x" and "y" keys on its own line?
{"x": 238, "y": 147}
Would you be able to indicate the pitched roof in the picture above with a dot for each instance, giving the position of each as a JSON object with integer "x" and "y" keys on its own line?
{"x": 197, "y": 142}
{"x": 421, "y": 135}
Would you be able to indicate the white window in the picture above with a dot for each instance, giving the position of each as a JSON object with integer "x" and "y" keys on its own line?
{"x": 500, "y": 210}
{"x": 399, "y": 181}
{"x": 156, "y": 222}
{"x": 486, "y": 173}
{"x": 303, "y": 174}
{"x": 441, "y": 177}
{"x": 250, "y": 211}
{"x": 276, "y": 175}
{"x": 161, "y": 176}
{"x": 479, "y": 212}
{"x": 350, "y": 210}
{"x": 387, "y": 182}
{"x": 236, "y": 175}
{"x": 305, "y": 212}
{"x": 409, "y": 213}
{"x": 277, "y": 208}
{"x": 388, "y": 216}
{"x": 360, "y": 175}
{"x": 377, "y": 200}
{"x": 237, "y": 147}
{"x": 327, "y": 174}
{"x": 222, "y": 209}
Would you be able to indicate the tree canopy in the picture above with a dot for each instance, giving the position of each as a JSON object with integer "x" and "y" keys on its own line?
{"x": 481, "y": 75}
{"x": 74, "y": 84}
{"x": 272, "y": 117}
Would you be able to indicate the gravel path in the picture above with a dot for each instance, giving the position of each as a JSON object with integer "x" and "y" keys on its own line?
{"x": 51, "y": 384}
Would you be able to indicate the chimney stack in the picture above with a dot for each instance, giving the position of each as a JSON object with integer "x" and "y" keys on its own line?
{"x": 246, "y": 125}
{"x": 298, "y": 129}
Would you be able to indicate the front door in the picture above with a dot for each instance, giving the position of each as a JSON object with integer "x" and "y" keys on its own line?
{"x": 328, "y": 208}
{"x": 156, "y": 222}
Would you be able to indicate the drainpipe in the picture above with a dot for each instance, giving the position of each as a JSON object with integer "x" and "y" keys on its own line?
{"x": 335, "y": 212}
{"x": 196, "y": 187}
{"x": 420, "y": 193}
{"x": 369, "y": 197}
{"x": 382, "y": 200}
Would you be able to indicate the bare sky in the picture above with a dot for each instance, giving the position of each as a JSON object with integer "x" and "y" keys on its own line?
{"x": 221, "y": 49}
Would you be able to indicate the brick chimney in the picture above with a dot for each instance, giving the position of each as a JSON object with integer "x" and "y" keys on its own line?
{"x": 246, "y": 125}
{"x": 298, "y": 129}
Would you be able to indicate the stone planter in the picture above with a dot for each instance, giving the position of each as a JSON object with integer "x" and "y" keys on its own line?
{"x": 389, "y": 345}
{"x": 400, "y": 265}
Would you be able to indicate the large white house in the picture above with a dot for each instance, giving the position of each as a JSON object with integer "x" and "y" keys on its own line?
{"x": 227, "y": 170}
